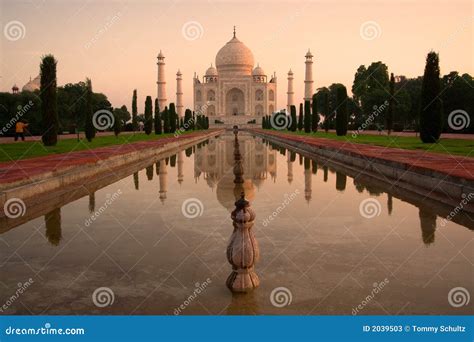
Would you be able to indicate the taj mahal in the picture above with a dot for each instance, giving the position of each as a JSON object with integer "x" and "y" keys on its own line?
{"x": 235, "y": 91}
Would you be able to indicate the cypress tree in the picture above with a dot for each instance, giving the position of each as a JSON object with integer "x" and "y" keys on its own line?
{"x": 315, "y": 114}
{"x": 300, "y": 118}
{"x": 172, "y": 118}
{"x": 158, "y": 127}
{"x": 49, "y": 104}
{"x": 293, "y": 118}
{"x": 134, "y": 111}
{"x": 307, "y": 117}
{"x": 391, "y": 104}
{"x": 431, "y": 118}
{"x": 117, "y": 124}
{"x": 263, "y": 122}
{"x": 188, "y": 116}
{"x": 89, "y": 126}
{"x": 194, "y": 121}
{"x": 148, "y": 115}
{"x": 341, "y": 114}
{"x": 207, "y": 122}
{"x": 166, "y": 122}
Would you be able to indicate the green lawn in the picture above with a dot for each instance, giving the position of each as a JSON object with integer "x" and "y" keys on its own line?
{"x": 29, "y": 149}
{"x": 450, "y": 146}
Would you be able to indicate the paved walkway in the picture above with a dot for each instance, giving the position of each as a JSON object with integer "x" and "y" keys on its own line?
{"x": 11, "y": 140}
{"x": 34, "y": 167}
{"x": 456, "y": 166}
{"x": 413, "y": 134}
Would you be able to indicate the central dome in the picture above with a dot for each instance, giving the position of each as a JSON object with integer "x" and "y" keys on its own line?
{"x": 235, "y": 57}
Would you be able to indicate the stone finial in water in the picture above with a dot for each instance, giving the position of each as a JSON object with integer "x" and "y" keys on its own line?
{"x": 242, "y": 251}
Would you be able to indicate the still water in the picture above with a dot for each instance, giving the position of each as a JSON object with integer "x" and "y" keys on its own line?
{"x": 331, "y": 241}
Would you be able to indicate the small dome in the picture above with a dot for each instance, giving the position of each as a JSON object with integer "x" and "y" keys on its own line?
{"x": 235, "y": 57}
{"x": 258, "y": 71}
{"x": 33, "y": 84}
{"x": 211, "y": 71}
{"x": 15, "y": 87}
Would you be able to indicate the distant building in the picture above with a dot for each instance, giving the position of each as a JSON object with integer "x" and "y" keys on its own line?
{"x": 33, "y": 84}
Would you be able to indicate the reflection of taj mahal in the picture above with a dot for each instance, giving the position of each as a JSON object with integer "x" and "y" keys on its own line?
{"x": 234, "y": 88}
{"x": 215, "y": 162}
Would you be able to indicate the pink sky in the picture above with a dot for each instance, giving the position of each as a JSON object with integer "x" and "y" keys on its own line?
{"x": 115, "y": 43}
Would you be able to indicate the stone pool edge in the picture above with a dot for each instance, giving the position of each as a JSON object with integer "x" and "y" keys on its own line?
{"x": 441, "y": 187}
{"x": 51, "y": 181}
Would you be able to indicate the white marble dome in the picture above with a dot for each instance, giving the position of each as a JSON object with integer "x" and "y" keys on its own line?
{"x": 33, "y": 84}
{"x": 235, "y": 57}
{"x": 258, "y": 71}
{"x": 211, "y": 71}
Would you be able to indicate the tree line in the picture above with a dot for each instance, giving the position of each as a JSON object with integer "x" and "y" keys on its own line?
{"x": 384, "y": 102}
{"x": 54, "y": 110}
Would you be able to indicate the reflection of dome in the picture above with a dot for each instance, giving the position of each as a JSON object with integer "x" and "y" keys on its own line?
{"x": 33, "y": 84}
{"x": 235, "y": 57}
{"x": 211, "y": 71}
{"x": 227, "y": 192}
{"x": 258, "y": 71}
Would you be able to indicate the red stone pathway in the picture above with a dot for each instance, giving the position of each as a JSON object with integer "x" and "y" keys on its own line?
{"x": 33, "y": 167}
{"x": 421, "y": 161}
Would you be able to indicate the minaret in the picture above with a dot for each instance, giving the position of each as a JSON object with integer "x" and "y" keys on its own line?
{"x": 179, "y": 94}
{"x": 291, "y": 93}
{"x": 161, "y": 82}
{"x": 308, "y": 81}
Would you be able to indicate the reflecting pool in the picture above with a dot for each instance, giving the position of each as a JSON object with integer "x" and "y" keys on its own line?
{"x": 332, "y": 241}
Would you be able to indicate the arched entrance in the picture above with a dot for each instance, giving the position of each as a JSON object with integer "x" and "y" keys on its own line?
{"x": 235, "y": 102}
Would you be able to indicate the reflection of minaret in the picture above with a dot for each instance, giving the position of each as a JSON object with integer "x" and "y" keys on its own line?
{"x": 180, "y": 166}
{"x": 428, "y": 226}
{"x": 290, "y": 93}
{"x": 308, "y": 81}
{"x": 161, "y": 82}
{"x": 149, "y": 172}
{"x": 341, "y": 179}
{"x": 290, "y": 168}
{"x": 53, "y": 226}
{"x": 179, "y": 94}
{"x": 163, "y": 180}
{"x": 92, "y": 202}
{"x": 136, "y": 180}
{"x": 389, "y": 204}
{"x": 307, "y": 180}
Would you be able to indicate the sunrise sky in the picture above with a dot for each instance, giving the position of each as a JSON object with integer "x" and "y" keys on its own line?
{"x": 115, "y": 43}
